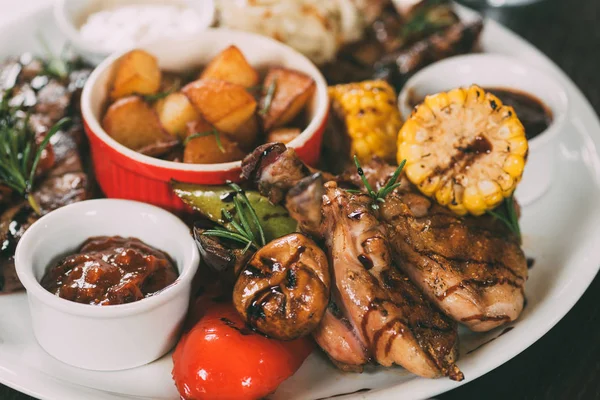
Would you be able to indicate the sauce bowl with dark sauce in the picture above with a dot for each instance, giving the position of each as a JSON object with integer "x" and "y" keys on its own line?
{"x": 108, "y": 282}
{"x": 540, "y": 102}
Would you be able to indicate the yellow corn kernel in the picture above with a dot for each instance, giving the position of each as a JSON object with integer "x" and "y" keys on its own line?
{"x": 514, "y": 165}
{"x": 417, "y": 173}
{"x": 473, "y": 201}
{"x": 408, "y": 132}
{"x": 422, "y": 113}
{"x": 444, "y": 195}
{"x": 409, "y": 152}
{"x": 491, "y": 191}
{"x": 518, "y": 146}
{"x": 437, "y": 102}
{"x": 430, "y": 185}
{"x": 475, "y": 95}
{"x": 457, "y": 97}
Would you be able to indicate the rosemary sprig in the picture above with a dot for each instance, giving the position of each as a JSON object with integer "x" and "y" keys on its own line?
{"x": 242, "y": 232}
{"x": 56, "y": 66}
{"x": 19, "y": 156}
{"x": 214, "y": 132}
{"x": 151, "y": 98}
{"x": 269, "y": 98}
{"x": 381, "y": 194}
{"x": 507, "y": 214}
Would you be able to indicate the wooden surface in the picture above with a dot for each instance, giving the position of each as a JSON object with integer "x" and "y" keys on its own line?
{"x": 564, "y": 364}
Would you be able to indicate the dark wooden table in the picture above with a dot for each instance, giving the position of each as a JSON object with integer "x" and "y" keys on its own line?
{"x": 564, "y": 364}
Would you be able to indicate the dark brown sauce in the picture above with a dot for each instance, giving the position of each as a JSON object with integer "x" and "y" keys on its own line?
{"x": 483, "y": 318}
{"x": 535, "y": 116}
{"x": 365, "y": 261}
{"x": 109, "y": 271}
{"x": 530, "y": 262}
{"x": 243, "y": 331}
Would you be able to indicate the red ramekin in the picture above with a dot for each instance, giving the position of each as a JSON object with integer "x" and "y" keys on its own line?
{"x": 123, "y": 173}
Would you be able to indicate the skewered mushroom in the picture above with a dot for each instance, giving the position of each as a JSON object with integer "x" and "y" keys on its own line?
{"x": 284, "y": 289}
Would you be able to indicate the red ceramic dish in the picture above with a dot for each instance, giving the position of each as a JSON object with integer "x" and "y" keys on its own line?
{"x": 125, "y": 174}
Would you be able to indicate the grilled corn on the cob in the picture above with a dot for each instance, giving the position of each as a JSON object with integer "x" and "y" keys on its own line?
{"x": 465, "y": 148}
{"x": 371, "y": 115}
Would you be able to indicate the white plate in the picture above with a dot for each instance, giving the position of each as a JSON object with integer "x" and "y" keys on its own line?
{"x": 561, "y": 231}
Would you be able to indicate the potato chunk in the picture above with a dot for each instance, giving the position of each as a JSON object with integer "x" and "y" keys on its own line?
{"x": 205, "y": 149}
{"x": 292, "y": 91}
{"x": 283, "y": 135}
{"x": 231, "y": 66}
{"x": 225, "y": 105}
{"x": 174, "y": 112}
{"x": 133, "y": 123}
{"x": 137, "y": 73}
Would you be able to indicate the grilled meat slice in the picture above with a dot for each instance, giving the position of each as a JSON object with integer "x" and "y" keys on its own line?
{"x": 394, "y": 323}
{"x": 275, "y": 169}
{"x": 303, "y": 202}
{"x": 337, "y": 337}
{"x": 473, "y": 268}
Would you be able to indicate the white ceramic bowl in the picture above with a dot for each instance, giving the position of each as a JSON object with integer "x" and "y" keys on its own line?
{"x": 496, "y": 71}
{"x": 126, "y": 174}
{"x": 70, "y": 14}
{"x": 106, "y": 338}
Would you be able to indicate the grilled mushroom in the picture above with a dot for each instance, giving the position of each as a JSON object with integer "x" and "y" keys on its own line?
{"x": 284, "y": 289}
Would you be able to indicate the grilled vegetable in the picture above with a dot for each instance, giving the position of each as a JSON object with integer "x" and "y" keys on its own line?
{"x": 371, "y": 115}
{"x": 210, "y": 200}
{"x": 257, "y": 365}
{"x": 284, "y": 289}
{"x": 465, "y": 148}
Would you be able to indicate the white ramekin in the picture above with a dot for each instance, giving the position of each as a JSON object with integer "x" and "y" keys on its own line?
{"x": 497, "y": 71}
{"x": 106, "y": 338}
{"x": 70, "y": 14}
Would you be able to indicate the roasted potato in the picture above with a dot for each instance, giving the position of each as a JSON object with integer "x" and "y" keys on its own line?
{"x": 231, "y": 66}
{"x": 137, "y": 73}
{"x": 133, "y": 123}
{"x": 174, "y": 112}
{"x": 225, "y": 105}
{"x": 283, "y": 135}
{"x": 205, "y": 149}
{"x": 246, "y": 134}
{"x": 292, "y": 91}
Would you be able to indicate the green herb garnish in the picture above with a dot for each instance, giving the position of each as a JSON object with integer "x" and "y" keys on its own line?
{"x": 507, "y": 214}
{"x": 56, "y": 66}
{"x": 269, "y": 98}
{"x": 381, "y": 194}
{"x": 19, "y": 155}
{"x": 151, "y": 98}
{"x": 214, "y": 132}
{"x": 242, "y": 232}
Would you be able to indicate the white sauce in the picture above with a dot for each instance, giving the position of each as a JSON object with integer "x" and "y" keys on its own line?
{"x": 128, "y": 26}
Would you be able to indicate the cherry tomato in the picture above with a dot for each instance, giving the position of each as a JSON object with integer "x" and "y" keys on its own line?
{"x": 221, "y": 359}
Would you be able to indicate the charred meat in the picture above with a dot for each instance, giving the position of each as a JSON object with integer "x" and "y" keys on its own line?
{"x": 61, "y": 179}
{"x": 386, "y": 313}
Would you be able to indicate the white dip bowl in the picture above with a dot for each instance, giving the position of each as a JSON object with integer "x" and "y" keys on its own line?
{"x": 501, "y": 72}
{"x": 106, "y": 338}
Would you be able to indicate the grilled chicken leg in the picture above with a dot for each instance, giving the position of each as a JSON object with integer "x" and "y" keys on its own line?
{"x": 382, "y": 309}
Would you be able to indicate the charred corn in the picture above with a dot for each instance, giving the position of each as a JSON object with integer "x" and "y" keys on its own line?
{"x": 371, "y": 116}
{"x": 464, "y": 148}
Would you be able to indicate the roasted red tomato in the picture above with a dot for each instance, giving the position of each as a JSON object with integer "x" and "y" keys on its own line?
{"x": 221, "y": 359}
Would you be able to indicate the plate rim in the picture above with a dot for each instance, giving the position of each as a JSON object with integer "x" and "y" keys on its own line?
{"x": 582, "y": 282}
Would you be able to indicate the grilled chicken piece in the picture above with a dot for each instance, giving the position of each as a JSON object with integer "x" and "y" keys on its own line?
{"x": 472, "y": 267}
{"x": 337, "y": 337}
{"x": 388, "y": 316}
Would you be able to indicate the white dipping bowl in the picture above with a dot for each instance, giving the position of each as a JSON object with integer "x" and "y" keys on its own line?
{"x": 106, "y": 338}
{"x": 501, "y": 72}
{"x": 71, "y": 14}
